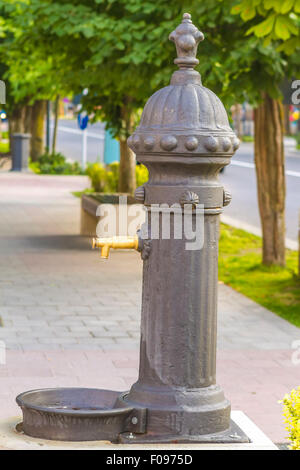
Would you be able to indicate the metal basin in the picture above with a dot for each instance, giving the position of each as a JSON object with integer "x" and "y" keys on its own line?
{"x": 74, "y": 414}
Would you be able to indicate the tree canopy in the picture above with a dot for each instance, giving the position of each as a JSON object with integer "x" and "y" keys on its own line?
{"x": 273, "y": 20}
{"x": 119, "y": 49}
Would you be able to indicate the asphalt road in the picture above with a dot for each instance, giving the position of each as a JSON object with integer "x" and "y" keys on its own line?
{"x": 239, "y": 177}
{"x": 69, "y": 140}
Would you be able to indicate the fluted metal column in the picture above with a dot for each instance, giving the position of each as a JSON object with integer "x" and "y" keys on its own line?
{"x": 177, "y": 374}
{"x": 184, "y": 139}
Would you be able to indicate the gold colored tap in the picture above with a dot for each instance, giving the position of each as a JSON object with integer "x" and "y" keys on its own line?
{"x": 117, "y": 243}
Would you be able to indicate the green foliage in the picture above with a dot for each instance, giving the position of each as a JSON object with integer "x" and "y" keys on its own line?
{"x": 4, "y": 147}
{"x": 85, "y": 191}
{"x": 291, "y": 413}
{"x": 31, "y": 72}
{"x": 100, "y": 41}
{"x": 119, "y": 50}
{"x": 297, "y": 138}
{"x": 98, "y": 177}
{"x": 276, "y": 288}
{"x": 247, "y": 138}
{"x": 113, "y": 177}
{"x": 245, "y": 66}
{"x": 105, "y": 180}
{"x": 4, "y": 135}
{"x": 55, "y": 164}
{"x": 142, "y": 174}
{"x": 274, "y": 20}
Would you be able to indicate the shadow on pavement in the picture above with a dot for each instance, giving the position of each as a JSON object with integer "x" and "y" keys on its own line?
{"x": 46, "y": 242}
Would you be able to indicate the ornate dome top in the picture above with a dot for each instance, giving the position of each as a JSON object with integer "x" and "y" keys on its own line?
{"x": 184, "y": 116}
{"x": 188, "y": 106}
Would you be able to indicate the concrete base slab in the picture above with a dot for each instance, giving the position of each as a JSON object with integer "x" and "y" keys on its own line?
{"x": 10, "y": 439}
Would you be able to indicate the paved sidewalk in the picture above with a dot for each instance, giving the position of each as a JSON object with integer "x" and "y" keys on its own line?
{"x": 69, "y": 319}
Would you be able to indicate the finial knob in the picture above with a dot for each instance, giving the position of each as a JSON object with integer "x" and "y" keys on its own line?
{"x": 186, "y": 37}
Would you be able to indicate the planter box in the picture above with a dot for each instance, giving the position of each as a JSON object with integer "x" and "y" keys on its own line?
{"x": 89, "y": 205}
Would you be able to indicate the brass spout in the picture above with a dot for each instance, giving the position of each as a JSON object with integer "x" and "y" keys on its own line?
{"x": 117, "y": 243}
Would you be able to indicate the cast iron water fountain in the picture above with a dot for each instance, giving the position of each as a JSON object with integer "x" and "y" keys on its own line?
{"x": 184, "y": 139}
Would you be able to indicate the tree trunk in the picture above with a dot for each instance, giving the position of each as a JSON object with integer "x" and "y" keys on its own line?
{"x": 48, "y": 108}
{"x": 19, "y": 121}
{"x": 238, "y": 120}
{"x": 56, "y": 110}
{"x": 37, "y": 129}
{"x": 127, "y": 180}
{"x": 269, "y": 162}
{"x": 27, "y": 119}
{"x": 16, "y": 122}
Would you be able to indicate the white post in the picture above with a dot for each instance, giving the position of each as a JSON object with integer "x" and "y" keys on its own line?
{"x": 84, "y": 148}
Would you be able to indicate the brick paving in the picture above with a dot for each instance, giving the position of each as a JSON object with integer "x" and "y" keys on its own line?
{"x": 69, "y": 319}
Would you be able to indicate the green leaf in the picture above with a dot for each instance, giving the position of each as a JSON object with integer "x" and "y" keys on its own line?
{"x": 268, "y": 4}
{"x": 265, "y": 28}
{"x": 267, "y": 41}
{"x": 251, "y": 30}
{"x": 236, "y": 9}
{"x": 289, "y": 46}
{"x": 281, "y": 29}
{"x": 248, "y": 14}
{"x": 273, "y": 4}
{"x": 287, "y": 6}
{"x": 292, "y": 27}
{"x": 297, "y": 6}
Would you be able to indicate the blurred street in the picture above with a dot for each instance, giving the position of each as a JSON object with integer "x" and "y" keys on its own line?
{"x": 240, "y": 179}
{"x": 69, "y": 140}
